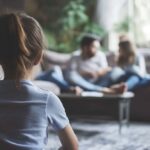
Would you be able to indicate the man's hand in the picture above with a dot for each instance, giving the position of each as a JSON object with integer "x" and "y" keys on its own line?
{"x": 103, "y": 71}
{"x": 89, "y": 74}
{"x": 97, "y": 74}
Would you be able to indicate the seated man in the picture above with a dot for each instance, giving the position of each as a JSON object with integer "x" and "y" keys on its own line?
{"x": 88, "y": 67}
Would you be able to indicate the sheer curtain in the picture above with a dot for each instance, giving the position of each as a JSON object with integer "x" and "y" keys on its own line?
{"x": 142, "y": 22}
{"x": 108, "y": 12}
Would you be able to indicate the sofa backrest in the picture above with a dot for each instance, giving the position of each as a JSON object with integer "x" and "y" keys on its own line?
{"x": 1, "y": 73}
{"x": 51, "y": 58}
{"x": 55, "y": 58}
{"x": 146, "y": 53}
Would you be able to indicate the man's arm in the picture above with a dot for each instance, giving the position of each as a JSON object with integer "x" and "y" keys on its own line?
{"x": 95, "y": 74}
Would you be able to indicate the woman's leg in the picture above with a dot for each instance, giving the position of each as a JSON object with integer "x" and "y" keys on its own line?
{"x": 144, "y": 82}
{"x": 132, "y": 82}
{"x": 130, "y": 79}
{"x": 111, "y": 77}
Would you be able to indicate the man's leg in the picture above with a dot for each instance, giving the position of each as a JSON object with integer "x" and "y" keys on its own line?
{"x": 78, "y": 80}
{"x": 54, "y": 75}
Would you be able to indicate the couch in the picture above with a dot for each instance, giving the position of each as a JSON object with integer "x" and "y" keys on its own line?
{"x": 139, "y": 105}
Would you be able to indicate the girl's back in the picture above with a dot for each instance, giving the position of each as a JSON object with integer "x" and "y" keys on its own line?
{"x": 25, "y": 113}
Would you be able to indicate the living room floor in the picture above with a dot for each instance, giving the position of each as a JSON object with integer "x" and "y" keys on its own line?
{"x": 104, "y": 135}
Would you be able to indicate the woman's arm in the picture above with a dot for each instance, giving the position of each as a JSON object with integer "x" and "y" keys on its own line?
{"x": 68, "y": 139}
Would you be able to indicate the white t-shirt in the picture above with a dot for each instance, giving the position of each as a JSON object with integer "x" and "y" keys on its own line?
{"x": 25, "y": 114}
{"x": 94, "y": 63}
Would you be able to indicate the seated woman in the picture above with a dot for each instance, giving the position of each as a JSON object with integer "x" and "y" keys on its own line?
{"x": 129, "y": 68}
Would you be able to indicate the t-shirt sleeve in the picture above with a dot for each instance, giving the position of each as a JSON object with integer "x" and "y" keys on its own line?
{"x": 56, "y": 113}
{"x": 73, "y": 63}
{"x": 102, "y": 60}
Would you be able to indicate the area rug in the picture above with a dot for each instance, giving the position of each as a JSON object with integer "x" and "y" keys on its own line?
{"x": 104, "y": 135}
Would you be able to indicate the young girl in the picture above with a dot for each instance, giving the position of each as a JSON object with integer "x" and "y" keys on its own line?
{"x": 25, "y": 110}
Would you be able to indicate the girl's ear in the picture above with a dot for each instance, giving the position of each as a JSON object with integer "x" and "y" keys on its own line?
{"x": 38, "y": 59}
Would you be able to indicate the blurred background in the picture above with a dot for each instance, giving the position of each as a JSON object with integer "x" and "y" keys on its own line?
{"x": 65, "y": 21}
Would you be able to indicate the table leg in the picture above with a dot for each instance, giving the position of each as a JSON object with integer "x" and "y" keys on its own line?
{"x": 127, "y": 112}
{"x": 124, "y": 113}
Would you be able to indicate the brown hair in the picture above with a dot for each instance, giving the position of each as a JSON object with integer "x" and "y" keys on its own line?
{"x": 21, "y": 43}
{"x": 128, "y": 53}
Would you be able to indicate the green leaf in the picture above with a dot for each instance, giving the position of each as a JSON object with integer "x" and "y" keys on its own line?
{"x": 81, "y": 16}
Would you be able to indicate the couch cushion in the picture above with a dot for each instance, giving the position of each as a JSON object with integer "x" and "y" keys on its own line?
{"x": 47, "y": 86}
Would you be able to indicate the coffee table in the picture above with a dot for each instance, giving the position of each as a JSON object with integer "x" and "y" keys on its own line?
{"x": 124, "y": 107}
{"x": 122, "y": 99}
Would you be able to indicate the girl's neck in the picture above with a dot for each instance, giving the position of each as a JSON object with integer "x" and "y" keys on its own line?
{"x": 12, "y": 76}
{"x": 15, "y": 78}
